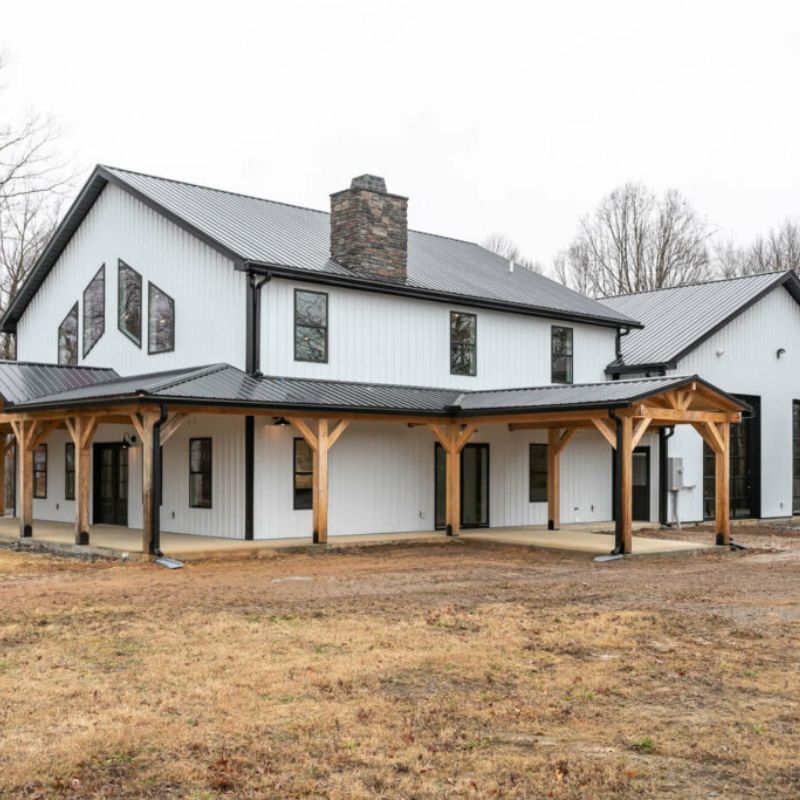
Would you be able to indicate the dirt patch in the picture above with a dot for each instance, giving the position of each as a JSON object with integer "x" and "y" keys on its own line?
{"x": 421, "y": 671}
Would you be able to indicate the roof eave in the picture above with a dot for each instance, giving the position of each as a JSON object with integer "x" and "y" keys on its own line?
{"x": 386, "y": 287}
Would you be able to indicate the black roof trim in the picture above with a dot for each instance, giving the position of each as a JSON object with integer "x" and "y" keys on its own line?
{"x": 790, "y": 281}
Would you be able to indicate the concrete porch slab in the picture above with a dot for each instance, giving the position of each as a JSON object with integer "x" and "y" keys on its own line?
{"x": 114, "y": 541}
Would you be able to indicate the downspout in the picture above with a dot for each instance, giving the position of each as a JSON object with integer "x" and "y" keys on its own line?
{"x": 617, "y": 485}
{"x": 618, "y": 349}
{"x": 253, "y": 367}
{"x": 664, "y": 434}
{"x": 155, "y": 494}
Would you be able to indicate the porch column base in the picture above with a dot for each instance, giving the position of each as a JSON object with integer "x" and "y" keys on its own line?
{"x": 82, "y": 538}
{"x": 25, "y": 531}
{"x": 551, "y": 525}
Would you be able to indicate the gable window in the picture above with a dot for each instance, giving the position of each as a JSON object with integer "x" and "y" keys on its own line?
{"x": 538, "y": 473}
{"x": 129, "y": 302}
{"x": 561, "y": 355}
{"x": 94, "y": 310}
{"x": 463, "y": 343}
{"x": 68, "y": 338}
{"x": 40, "y": 471}
{"x": 200, "y": 473}
{"x": 310, "y": 326}
{"x": 303, "y": 466}
{"x": 69, "y": 471}
{"x": 160, "y": 321}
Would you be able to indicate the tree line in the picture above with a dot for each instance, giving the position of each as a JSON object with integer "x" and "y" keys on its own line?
{"x": 636, "y": 240}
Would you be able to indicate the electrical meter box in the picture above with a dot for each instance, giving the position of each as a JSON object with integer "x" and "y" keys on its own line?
{"x": 674, "y": 474}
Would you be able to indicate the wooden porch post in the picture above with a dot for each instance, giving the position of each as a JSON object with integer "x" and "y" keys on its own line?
{"x": 722, "y": 465}
{"x": 147, "y": 425}
{"x": 453, "y": 439}
{"x": 625, "y": 477}
{"x": 81, "y": 431}
{"x": 320, "y": 439}
{"x": 556, "y": 442}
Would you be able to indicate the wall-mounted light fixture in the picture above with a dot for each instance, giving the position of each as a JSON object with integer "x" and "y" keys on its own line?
{"x": 280, "y": 421}
{"x": 720, "y": 352}
{"x": 781, "y": 351}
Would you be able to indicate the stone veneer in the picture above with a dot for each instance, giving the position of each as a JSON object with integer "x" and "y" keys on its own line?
{"x": 369, "y": 229}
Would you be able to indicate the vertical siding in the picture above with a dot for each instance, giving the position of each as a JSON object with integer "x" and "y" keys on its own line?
{"x": 748, "y": 365}
{"x": 209, "y": 294}
{"x": 388, "y": 339}
{"x": 382, "y": 480}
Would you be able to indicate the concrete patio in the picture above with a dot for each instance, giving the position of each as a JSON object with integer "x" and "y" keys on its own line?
{"x": 110, "y": 540}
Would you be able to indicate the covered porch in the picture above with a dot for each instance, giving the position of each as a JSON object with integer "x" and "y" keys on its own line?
{"x": 156, "y": 406}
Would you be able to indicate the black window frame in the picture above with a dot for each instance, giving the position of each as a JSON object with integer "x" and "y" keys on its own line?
{"x": 69, "y": 472}
{"x": 324, "y": 327}
{"x": 151, "y": 287}
{"x": 537, "y": 447}
{"x": 122, "y": 265}
{"x": 570, "y": 356}
{"x": 38, "y": 471}
{"x": 473, "y": 345}
{"x": 295, "y": 473}
{"x": 101, "y": 273}
{"x": 73, "y": 312}
{"x": 209, "y": 472}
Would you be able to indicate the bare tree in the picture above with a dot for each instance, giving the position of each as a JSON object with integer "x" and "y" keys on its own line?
{"x": 33, "y": 181}
{"x": 507, "y": 248}
{"x": 779, "y": 250}
{"x": 636, "y": 241}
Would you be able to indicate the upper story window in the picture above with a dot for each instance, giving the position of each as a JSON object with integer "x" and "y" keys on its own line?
{"x": 160, "y": 321}
{"x": 463, "y": 343}
{"x": 310, "y": 326}
{"x": 561, "y": 355}
{"x": 94, "y": 310}
{"x": 68, "y": 338}
{"x": 129, "y": 302}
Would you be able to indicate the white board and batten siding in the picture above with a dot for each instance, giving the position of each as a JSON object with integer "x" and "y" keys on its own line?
{"x": 209, "y": 293}
{"x": 382, "y": 338}
{"x": 741, "y": 358}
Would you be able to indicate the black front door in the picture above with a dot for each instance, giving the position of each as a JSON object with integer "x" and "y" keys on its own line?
{"x": 474, "y": 486}
{"x": 745, "y": 467}
{"x": 641, "y": 484}
{"x": 110, "y": 484}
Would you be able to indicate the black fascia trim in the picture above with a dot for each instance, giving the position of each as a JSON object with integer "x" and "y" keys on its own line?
{"x": 354, "y": 282}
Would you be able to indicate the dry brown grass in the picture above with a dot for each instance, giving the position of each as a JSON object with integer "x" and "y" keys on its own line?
{"x": 453, "y": 671}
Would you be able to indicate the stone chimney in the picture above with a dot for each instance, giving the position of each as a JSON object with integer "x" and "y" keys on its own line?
{"x": 369, "y": 229}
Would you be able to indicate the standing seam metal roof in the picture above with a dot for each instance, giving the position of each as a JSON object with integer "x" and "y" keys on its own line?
{"x": 678, "y": 319}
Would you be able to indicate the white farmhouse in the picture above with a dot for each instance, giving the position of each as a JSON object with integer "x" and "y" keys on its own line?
{"x": 198, "y": 361}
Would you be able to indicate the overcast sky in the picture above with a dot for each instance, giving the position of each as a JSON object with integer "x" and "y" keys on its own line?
{"x": 490, "y": 116}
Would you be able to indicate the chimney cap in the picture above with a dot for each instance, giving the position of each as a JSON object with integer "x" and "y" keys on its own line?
{"x": 372, "y": 183}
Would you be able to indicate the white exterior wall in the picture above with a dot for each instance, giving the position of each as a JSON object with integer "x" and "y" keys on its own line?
{"x": 748, "y": 365}
{"x": 381, "y": 338}
{"x": 209, "y": 294}
{"x": 382, "y": 480}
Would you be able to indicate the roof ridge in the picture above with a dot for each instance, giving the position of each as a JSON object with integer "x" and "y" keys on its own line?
{"x": 697, "y": 283}
{"x": 268, "y": 200}
{"x": 191, "y": 374}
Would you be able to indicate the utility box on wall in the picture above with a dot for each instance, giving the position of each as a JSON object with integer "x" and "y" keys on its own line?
{"x": 674, "y": 474}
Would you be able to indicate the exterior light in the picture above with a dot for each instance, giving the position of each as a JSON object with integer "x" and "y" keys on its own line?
{"x": 781, "y": 351}
{"x": 280, "y": 421}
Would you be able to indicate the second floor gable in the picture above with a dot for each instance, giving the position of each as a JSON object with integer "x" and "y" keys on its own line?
{"x": 143, "y": 276}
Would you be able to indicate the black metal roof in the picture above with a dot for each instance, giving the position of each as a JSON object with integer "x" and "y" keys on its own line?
{"x": 22, "y": 381}
{"x": 676, "y": 320}
{"x": 294, "y": 242}
{"x": 224, "y": 385}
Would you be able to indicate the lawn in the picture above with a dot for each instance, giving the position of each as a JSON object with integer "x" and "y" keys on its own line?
{"x": 460, "y": 670}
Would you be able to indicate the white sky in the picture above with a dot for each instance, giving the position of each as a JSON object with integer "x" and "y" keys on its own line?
{"x": 489, "y": 115}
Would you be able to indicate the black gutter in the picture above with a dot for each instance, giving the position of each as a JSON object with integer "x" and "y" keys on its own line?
{"x": 249, "y": 475}
{"x": 618, "y": 342}
{"x": 664, "y": 434}
{"x": 253, "y": 323}
{"x": 617, "y": 486}
{"x": 387, "y": 287}
{"x": 653, "y": 366}
{"x": 155, "y": 493}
